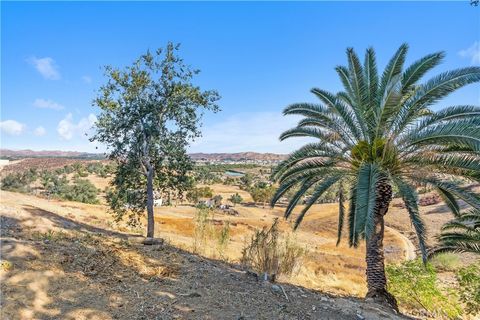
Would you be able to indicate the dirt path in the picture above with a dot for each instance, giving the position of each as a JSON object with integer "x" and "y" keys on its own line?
{"x": 61, "y": 267}
{"x": 408, "y": 244}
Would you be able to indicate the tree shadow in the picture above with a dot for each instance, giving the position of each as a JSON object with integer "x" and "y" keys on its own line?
{"x": 70, "y": 224}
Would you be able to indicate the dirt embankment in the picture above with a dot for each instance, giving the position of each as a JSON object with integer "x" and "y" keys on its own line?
{"x": 60, "y": 263}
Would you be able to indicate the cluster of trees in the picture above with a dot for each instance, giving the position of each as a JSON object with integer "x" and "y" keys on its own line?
{"x": 55, "y": 183}
{"x": 262, "y": 192}
{"x": 197, "y": 193}
{"x": 19, "y": 181}
{"x": 80, "y": 190}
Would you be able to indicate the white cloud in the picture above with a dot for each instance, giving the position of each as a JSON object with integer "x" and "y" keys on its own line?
{"x": 47, "y": 104}
{"x": 67, "y": 128}
{"x": 256, "y": 131}
{"x": 39, "y": 131}
{"x": 87, "y": 79}
{"x": 12, "y": 127}
{"x": 46, "y": 66}
{"x": 473, "y": 53}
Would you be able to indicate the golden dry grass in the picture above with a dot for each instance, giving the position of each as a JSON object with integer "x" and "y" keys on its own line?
{"x": 338, "y": 270}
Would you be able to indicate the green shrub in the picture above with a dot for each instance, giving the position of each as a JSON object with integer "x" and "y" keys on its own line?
{"x": 469, "y": 281}
{"x": 19, "y": 182}
{"x": 235, "y": 198}
{"x": 415, "y": 287}
{"x": 446, "y": 262}
{"x": 82, "y": 191}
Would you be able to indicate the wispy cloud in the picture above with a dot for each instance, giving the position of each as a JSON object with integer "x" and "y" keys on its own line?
{"x": 87, "y": 79}
{"x": 473, "y": 53}
{"x": 47, "y": 104}
{"x": 46, "y": 67}
{"x": 40, "y": 131}
{"x": 255, "y": 131}
{"x": 67, "y": 128}
{"x": 12, "y": 127}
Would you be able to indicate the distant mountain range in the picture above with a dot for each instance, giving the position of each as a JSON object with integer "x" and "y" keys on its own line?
{"x": 240, "y": 156}
{"x": 19, "y": 154}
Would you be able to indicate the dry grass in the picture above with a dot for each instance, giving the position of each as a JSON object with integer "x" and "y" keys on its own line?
{"x": 327, "y": 267}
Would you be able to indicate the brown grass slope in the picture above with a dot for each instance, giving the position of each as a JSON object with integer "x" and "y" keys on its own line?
{"x": 61, "y": 262}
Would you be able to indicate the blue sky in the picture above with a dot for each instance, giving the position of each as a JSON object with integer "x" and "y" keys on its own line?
{"x": 260, "y": 56}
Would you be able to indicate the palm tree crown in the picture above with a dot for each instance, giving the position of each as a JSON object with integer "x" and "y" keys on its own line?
{"x": 381, "y": 130}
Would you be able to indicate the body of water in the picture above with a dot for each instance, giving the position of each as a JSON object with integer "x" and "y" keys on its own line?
{"x": 232, "y": 173}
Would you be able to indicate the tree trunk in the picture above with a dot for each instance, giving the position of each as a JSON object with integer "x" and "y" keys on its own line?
{"x": 376, "y": 279}
{"x": 150, "y": 214}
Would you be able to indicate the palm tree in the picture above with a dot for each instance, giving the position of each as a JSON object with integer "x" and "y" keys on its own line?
{"x": 378, "y": 133}
{"x": 460, "y": 235}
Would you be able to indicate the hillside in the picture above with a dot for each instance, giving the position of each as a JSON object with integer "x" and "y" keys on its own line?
{"x": 240, "y": 156}
{"x": 20, "y": 154}
{"x": 59, "y": 261}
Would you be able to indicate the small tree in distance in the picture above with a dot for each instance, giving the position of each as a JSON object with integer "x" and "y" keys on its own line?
{"x": 150, "y": 111}
{"x": 235, "y": 199}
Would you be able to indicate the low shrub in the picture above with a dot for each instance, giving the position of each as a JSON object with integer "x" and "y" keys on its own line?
{"x": 446, "y": 262}
{"x": 469, "y": 281}
{"x": 269, "y": 255}
{"x": 415, "y": 287}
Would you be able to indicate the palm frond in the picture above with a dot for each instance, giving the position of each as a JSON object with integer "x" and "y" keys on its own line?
{"x": 449, "y": 200}
{"x": 368, "y": 177}
{"x": 419, "y": 68}
{"x": 469, "y": 197}
{"x": 410, "y": 198}
{"x": 336, "y": 106}
{"x": 320, "y": 189}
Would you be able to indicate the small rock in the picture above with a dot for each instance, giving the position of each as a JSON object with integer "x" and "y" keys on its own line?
{"x": 276, "y": 289}
{"x": 324, "y": 299}
{"x": 46, "y": 241}
{"x": 360, "y": 317}
{"x": 194, "y": 295}
{"x": 314, "y": 308}
{"x": 152, "y": 241}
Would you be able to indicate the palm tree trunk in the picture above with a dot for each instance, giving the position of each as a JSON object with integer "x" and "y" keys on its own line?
{"x": 376, "y": 279}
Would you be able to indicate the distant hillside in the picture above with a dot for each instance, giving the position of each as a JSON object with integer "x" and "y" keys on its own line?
{"x": 20, "y": 154}
{"x": 240, "y": 156}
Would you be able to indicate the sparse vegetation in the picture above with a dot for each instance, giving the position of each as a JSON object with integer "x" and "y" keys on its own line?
{"x": 415, "y": 286}
{"x": 469, "y": 288}
{"x": 269, "y": 255}
{"x": 223, "y": 238}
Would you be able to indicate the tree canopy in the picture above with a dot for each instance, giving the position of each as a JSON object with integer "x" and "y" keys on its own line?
{"x": 150, "y": 111}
